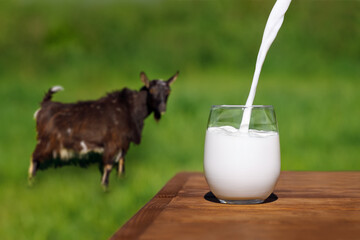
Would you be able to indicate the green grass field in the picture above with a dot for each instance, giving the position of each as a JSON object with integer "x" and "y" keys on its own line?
{"x": 311, "y": 77}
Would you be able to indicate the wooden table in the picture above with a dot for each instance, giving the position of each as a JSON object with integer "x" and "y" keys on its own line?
{"x": 305, "y": 205}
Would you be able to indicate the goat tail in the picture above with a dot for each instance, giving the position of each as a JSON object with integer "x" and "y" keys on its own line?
{"x": 50, "y": 92}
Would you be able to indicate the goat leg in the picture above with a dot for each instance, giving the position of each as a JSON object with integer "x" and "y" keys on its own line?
{"x": 121, "y": 167}
{"x": 119, "y": 158}
{"x": 32, "y": 171}
{"x": 105, "y": 177}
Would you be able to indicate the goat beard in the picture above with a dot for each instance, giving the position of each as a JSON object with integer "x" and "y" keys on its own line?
{"x": 157, "y": 116}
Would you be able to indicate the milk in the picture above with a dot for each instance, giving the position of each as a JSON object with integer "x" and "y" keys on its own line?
{"x": 272, "y": 27}
{"x": 241, "y": 166}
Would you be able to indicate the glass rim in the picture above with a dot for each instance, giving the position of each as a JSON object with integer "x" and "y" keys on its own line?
{"x": 241, "y": 106}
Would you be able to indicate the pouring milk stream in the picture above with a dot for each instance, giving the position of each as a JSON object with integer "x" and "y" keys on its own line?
{"x": 272, "y": 27}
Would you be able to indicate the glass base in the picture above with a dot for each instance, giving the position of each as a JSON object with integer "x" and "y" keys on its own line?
{"x": 242, "y": 202}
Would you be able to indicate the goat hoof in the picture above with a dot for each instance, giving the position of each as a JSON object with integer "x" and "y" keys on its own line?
{"x": 121, "y": 175}
{"x": 105, "y": 188}
{"x": 31, "y": 181}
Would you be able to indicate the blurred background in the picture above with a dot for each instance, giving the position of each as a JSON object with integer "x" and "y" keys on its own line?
{"x": 311, "y": 76}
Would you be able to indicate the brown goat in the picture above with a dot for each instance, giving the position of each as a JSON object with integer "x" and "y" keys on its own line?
{"x": 67, "y": 131}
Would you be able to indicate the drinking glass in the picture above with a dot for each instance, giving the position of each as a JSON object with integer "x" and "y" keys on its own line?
{"x": 242, "y": 167}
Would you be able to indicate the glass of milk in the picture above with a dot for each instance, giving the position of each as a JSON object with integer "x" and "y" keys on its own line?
{"x": 242, "y": 167}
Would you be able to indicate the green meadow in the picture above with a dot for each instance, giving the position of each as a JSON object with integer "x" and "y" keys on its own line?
{"x": 311, "y": 76}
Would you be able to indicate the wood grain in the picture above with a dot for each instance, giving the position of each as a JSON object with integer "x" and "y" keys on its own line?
{"x": 305, "y": 205}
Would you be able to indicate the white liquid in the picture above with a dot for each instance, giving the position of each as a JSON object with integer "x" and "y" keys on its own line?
{"x": 272, "y": 27}
{"x": 241, "y": 166}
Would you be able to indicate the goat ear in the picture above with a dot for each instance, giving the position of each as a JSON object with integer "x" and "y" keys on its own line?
{"x": 144, "y": 79}
{"x": 173, "y": 78}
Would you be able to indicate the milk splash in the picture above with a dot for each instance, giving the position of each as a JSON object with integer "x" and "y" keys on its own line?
{"x": 272, "y": 27}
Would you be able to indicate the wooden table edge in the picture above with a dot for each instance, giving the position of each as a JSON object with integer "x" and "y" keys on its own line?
{"x": 137, "y": 224}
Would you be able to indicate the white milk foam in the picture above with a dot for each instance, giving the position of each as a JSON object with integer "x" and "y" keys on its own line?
{"x": 241, "y": 166}
{"x": 272, "y": 27}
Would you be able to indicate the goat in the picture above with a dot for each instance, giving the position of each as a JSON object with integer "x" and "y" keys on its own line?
{"x": 67, "y": 131}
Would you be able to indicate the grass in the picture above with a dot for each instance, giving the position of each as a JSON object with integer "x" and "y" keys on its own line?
{"x": 310, "y": 77}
